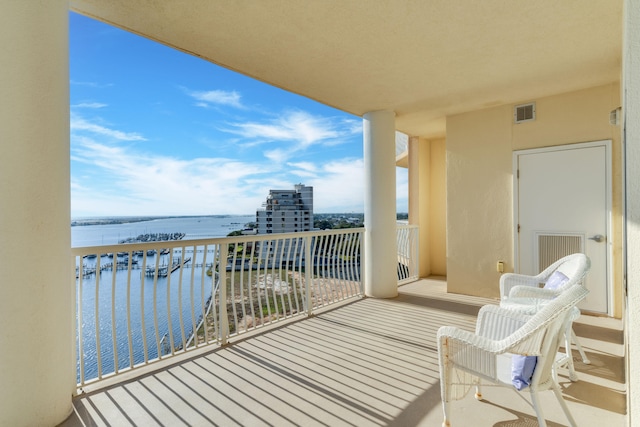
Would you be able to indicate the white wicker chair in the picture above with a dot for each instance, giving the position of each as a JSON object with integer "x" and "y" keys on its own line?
{"x": 523, "y": 293}
{"x": 466, "y": 358}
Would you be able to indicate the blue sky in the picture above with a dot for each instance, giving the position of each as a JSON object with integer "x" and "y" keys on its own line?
{"x": 155, "y": 131}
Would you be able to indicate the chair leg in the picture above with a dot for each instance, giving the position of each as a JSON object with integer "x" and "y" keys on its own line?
{"x": 574, "y": 338}
{"x": 445, "y": 393}
{"x": 554, "y": 371}
{"x": 573, "y": 376}
{"x": 563, "y": 405}
{"x": 567, "y": 344}
{"x": 536, "y": 406}
{"x": 445, "y": 411}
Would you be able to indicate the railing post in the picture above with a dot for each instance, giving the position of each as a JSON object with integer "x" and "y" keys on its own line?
{"x": 408, "y": 253}
{"x": 363, "y": 236}
{"x": 308, "y": 277}
{"x": 415, "y": 254}
{"x": 222, "y": 309}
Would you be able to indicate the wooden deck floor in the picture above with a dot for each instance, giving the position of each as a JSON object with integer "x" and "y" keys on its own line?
{"x": 369, "y": 362}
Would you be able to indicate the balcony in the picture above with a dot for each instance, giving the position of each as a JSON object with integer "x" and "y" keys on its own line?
{"x": 363, "y": 362}
{"x": 141, "y": 303}
{"x": 316, "y": 354}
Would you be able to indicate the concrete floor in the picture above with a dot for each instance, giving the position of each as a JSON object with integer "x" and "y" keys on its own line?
{"x": 369, "y": 362}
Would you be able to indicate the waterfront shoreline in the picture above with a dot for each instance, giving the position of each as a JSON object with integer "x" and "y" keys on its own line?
{"x": 79, "y": 222}
{"x": 113, "y": 230}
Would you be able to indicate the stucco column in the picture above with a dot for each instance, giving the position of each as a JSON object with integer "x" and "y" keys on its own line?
{"x": 631, "y": 139}
{"x": 420, "y": 197}
{"x": 380, "y": 275}
{"x": 37, "y": 367}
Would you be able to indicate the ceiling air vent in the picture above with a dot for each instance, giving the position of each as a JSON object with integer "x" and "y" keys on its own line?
{"x": 524, "y": 113}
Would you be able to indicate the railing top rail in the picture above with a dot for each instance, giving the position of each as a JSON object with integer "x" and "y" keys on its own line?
{"x": 409, "y": 226}
{"x": 80, "y": 250}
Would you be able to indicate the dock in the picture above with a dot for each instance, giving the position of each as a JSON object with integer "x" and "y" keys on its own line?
{"x": 164, "y": 270}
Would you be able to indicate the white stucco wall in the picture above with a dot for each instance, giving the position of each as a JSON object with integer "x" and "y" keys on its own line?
{"x": 438, "y": 207}
{"x": 480, "y": 179}
{"x": 420, "y": 198}
{"x": 428, "y": 202}
{"x": 479, "y": 224}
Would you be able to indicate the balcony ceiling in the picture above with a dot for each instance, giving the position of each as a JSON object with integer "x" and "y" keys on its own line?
{"x": 423, "y": 59}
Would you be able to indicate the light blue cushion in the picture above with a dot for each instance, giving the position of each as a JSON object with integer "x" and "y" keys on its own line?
{"x": 522, "y": 368}
{"x": 556, "y": 280}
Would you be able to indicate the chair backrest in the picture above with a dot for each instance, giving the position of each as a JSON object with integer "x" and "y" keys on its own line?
{"x": 574, "y": 267}
{"x": 542, "y": 333}
{"x": 571, "y": 268}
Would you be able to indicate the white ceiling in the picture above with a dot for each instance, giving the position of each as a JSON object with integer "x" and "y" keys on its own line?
{"x": 424, "y": 59}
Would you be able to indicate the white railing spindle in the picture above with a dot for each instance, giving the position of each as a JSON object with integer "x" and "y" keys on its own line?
{"x": 129, "y": 333}
{"x": 143, "y": 273}
{"x": 97, "y": 324}
{"x": 308, "y": 274}
{"x": 224, "y": 318}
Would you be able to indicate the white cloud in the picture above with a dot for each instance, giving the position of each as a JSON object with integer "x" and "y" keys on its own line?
{"x": 91, "y": 84}
{"x": 277, "y": 156}
{"x": 131, "y": 183}
{"x": 112, "y": 179}
{"x": 339, "y": 186}
{"x": 306, "y": 170}
{"x": 354, "y": 126}
{"x": 299, "y": 129}
{"x": 93, "y": 105}
{"x": 217, "y": 97}
{"x": 121, "y": 181}
{"x": 297, "y": 126}
{"x": 308, "y": 166}
{"x": 80, "y": 124}
{"x": 304, "y": 174}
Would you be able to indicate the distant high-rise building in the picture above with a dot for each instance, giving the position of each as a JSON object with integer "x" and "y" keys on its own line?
{"x": 286, "y": 211}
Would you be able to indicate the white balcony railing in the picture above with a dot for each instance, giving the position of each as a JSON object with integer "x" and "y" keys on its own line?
{"x": 143, "y": 302}
{"x": 408, "y": 256}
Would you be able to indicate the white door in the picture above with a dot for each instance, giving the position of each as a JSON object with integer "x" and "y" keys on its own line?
{"x": 562, "y": 206}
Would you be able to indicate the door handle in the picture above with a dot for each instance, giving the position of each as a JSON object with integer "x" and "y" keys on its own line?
{"x": 597, "y": 238}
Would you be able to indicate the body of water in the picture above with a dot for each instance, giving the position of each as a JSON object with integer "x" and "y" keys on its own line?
{"x": 194, "y": 227}
{"x": 152, "y": 306}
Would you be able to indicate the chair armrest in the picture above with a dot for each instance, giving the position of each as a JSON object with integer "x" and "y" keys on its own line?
{"x": 530, "y": 292}
{"x": 453, "y": 337}
{"x": 497, "y": 323}
{"x": 461, "y": 349}
{"x": 510, "y": 280}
